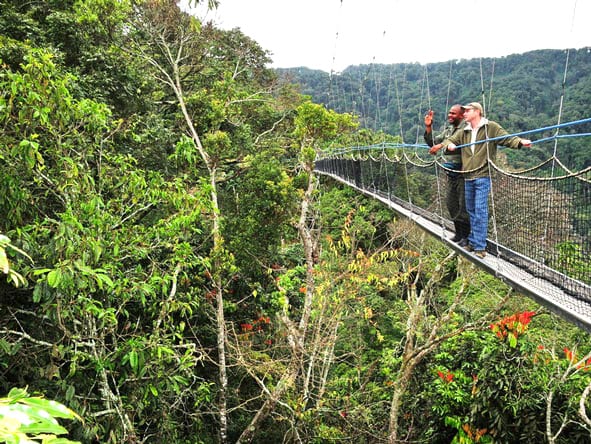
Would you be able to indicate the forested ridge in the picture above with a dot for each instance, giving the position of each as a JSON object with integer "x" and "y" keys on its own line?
{"x": 175, "y": 271}
{"x": 521, "y": 91}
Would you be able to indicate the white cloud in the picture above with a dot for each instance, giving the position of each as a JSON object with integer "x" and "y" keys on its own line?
{"x": 333, "y": 34}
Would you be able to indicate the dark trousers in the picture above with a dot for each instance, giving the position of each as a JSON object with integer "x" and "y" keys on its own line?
{"x": 456, "y": 205}
{"x": 456, "y": 201}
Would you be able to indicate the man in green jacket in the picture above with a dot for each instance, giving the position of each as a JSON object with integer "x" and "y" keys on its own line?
{"x": 476, "y": 158}
{"x": 452, "y": 162}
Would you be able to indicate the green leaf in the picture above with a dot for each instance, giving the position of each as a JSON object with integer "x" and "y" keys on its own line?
{"x": 5, "y": 347}
{"x": 512, "y": 340}
{"x": 4, "y": 266}
{"x": 52, "y": 407}
{"x": 17, "y": 278}
{"x": 133, "y": 360}
{"x": 54, "y": 277}
{"x": 45, "y": 427}
{"x": 70, "y": 392}
{"x": 33, "y": 415}
{"x": 104, "y": 279}
{"x": 41, "y": 271}
{"x": 16, "y": 394}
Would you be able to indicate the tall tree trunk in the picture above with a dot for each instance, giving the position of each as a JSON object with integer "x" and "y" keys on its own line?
{"x": 310, "y": 242}
{"x": 408, "y": 362}
{"x": 174, "y": 81}
{"x": 220, "y": 315}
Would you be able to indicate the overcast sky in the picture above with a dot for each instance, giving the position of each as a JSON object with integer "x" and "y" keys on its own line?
{"x": 334, "y": 34}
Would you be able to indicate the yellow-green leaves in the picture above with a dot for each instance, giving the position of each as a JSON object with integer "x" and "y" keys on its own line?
{"x": 24, "y": 418}
{"x": 317, "y": 124}
{"x": 30, "y": 151}
{"x": 15, "y": 277}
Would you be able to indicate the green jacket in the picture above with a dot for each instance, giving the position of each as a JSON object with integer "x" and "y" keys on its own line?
{"x": 475, "y": 162}
{"x": 448, "y": 156}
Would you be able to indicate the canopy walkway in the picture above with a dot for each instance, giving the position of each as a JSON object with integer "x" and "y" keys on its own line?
{"x": 540, "y": 229}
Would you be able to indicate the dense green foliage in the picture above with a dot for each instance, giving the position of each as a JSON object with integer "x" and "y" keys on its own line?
{"x": 176, "y": 273}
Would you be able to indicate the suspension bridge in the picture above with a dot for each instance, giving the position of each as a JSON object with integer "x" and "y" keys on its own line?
{"x": 539, "y": 237}
{"x": 539, "y": 231}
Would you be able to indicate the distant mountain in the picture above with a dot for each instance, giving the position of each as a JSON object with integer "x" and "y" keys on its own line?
{"x": 521, "y": 91}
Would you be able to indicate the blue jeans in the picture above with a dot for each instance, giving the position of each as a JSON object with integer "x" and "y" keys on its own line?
{"x": 477, "y": 191}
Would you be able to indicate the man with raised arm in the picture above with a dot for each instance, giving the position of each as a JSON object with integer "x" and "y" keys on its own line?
{"x": 452, "y": 162}
{"x": 476, "y": 157}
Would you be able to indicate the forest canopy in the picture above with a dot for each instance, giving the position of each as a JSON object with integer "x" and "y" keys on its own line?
{"x": 176, "y": 272}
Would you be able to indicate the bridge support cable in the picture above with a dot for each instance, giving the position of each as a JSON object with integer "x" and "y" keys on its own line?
{"x": 543, "y": 256}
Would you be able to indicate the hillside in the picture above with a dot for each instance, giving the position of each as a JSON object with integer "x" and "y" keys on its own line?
{"x": 522, "y": 92}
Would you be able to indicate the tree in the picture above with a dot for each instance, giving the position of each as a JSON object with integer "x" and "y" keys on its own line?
{"x": 210, "y": 145}
{"x": 106, "y": 239}
{"x": 314, "y": 125}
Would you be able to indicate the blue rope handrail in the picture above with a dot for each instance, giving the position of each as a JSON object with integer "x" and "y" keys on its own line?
{"x": 385, "y": 145}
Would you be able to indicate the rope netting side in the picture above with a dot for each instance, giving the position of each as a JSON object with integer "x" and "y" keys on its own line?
{"x": 548, "y": 221}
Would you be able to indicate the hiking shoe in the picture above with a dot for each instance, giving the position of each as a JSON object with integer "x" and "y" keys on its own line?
{"x": 457, "y": 237}
{"x": 480, "y": 253}
{"x": 468, "y": 247}
{"x": 463, "y": 242}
